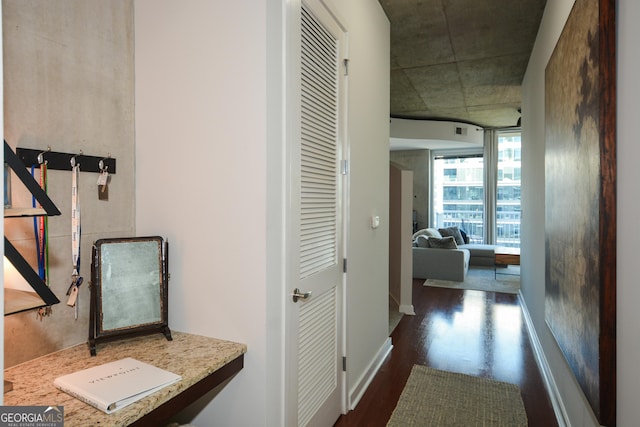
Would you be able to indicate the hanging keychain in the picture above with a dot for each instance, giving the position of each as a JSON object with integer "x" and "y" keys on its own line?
{"x": 103, "y": 180}
{"x": 76, "y": 280}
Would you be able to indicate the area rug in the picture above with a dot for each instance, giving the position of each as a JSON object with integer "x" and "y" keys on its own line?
{"x": 484, "y": 279}
{"x": 438, "y": 398}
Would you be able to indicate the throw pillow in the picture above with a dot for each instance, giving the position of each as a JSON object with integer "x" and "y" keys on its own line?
{"x": 429, "y": 232}
{"x": 454, "y": 232}
{"x": 432, "y": 232}
{"x": 445, "y": 243}
{"x": 419, "y": 233}
{"x": 465, "y": 236}
{"x": 422, "y": 241}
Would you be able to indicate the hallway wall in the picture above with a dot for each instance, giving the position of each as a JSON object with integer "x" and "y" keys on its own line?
{"x": 210, "y": 155}
{"x": 628, "y": 209}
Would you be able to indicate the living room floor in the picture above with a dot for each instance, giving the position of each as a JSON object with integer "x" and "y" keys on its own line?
{"x": 471, "y": 332}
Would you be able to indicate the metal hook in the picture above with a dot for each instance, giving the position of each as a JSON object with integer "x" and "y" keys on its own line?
{"x": 41, "y": 159}
{"x": 73, "y": 159}
{"x": 101, "y": 165}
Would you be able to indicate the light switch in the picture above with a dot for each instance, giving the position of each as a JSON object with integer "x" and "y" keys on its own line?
{"x": 375, "y": 221}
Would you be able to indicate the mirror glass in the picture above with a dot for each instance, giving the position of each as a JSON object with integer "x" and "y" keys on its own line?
{"x": 130, "y": 283}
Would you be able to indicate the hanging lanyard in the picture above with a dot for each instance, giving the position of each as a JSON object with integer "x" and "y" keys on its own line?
{"x": 42, "y": 230}
{"x": 75, "y": 221}
{"x": 75, "y": 239}
{"x": 38, "y": 227}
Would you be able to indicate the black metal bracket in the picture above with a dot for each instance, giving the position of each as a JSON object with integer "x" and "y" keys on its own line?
{"x": 49, "y": 207}
{"x": 62, "y": 161}
{"x": 29, "y": 275}
{"x": 25, "y": 177}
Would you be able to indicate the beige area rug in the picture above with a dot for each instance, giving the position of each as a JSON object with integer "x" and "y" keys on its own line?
{"x": 437, "y": 398}
{"x": 484, "y": 279}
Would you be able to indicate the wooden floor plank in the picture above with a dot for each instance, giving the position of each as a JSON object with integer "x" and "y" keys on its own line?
{"x": 471, "y": 332}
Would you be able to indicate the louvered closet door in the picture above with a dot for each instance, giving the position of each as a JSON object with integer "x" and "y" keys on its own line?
{"x": 319, "y": 264}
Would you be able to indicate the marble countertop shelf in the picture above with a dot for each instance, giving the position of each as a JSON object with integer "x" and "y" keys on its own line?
{"x": 202, "y": 362}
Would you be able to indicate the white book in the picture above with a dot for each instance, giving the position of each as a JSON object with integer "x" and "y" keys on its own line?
{"x": 114, "y": 385}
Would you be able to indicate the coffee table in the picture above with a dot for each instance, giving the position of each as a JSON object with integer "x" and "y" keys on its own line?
{"x": 506, "y": 256}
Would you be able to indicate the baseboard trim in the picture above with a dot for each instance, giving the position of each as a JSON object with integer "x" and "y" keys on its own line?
{"x": 545, "y": 370}
{"x": 407, "y": 309}
{"x": 363, "y": 383}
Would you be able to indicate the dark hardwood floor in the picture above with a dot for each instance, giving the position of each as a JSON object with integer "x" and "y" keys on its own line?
{"x": 471, "y": 332}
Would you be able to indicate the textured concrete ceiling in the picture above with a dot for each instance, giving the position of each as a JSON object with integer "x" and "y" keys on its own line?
{"x": 460, "y": 60}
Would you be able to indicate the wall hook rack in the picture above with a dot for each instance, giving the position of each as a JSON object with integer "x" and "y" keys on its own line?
{"x": 62, "y": 161}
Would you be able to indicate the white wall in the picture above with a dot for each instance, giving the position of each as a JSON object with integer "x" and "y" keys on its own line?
{"x": 418, "y": 161}
{"x": 628, "y": 348}
{"x": 209, "y": 161}
{"x": 368, "y": 121}
{"x": 533, "y": 208}
{"x": 407, "y": 134}
{"x": 276, "y": 202}
{"x": 628, "y": 210}
{"x": 201, "y": 138}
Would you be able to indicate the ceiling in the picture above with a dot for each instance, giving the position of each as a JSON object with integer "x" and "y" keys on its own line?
{"x": 460, "y": 60}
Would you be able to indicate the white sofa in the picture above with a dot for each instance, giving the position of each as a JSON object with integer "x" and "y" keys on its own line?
{"x": 443, "y": 264}
{"x": 480, "y": 254}
{"x": 447, "y": 264}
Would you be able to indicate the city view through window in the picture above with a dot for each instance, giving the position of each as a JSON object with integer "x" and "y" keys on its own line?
{"x": 508, "y": 212}
{"x": 458, "y": 192}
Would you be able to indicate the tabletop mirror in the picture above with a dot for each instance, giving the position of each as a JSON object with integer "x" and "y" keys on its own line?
{"x": 129, "y": 292}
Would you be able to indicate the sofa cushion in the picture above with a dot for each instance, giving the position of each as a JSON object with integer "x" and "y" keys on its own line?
{"x": 451, "y": 264}
{"x": 454, "y": 232}
{"x": 481, "y": 250}
{"x": 445, "y": 243}
{"x": 429, "y": 232}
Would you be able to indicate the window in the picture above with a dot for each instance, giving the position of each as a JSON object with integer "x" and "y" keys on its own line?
{"x": 450, "y": 174}
{"x": 458, "y": 191}
{"x": 508, "y": 213}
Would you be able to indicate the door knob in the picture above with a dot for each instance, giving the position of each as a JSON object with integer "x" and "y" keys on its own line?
{"x": 297, "y": 294}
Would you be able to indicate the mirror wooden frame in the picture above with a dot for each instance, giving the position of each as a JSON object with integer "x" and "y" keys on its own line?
{"x": 129, "y": 289}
